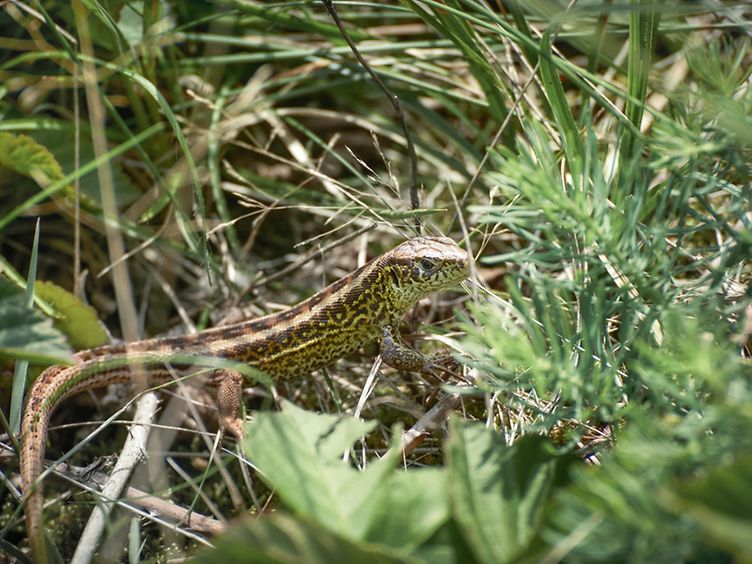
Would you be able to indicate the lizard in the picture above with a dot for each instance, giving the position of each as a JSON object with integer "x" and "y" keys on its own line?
{"x": 363, "y": 306}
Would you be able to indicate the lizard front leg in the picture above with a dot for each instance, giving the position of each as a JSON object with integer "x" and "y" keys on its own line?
{"x": 398, "y": 355}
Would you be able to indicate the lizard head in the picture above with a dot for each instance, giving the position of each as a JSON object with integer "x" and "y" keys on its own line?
{"x": 423, "y": 265}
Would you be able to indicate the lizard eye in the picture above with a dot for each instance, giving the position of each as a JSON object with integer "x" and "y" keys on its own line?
{"x": 427, "y": 265}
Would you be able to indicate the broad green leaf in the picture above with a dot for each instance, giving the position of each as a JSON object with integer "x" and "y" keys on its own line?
{"x": 300, "y": 455}
{"x": 63, "y": 149}
{"x": 329, "y": 435}
{"x": 282, "y": 538}
{"x": 25, "y": 334}
{"x": 63, "y": 183}
{"x": 296, "y": 448}
{"x": 447, "y": 545}
{"x": 498, "y": 493}
{"x": 411, "y": 509}
{"x": 78, "y": 321}
{"x": 23, "y": 155}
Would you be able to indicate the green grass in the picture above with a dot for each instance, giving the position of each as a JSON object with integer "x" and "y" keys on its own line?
{"x": 595, "y": 156}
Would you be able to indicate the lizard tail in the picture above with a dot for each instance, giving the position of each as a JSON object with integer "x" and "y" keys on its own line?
{"x": 36, "y": 420}
{"x": 52, "y": 387}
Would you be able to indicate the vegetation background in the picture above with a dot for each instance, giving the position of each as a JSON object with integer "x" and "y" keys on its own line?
{"x": 172, "y": 164}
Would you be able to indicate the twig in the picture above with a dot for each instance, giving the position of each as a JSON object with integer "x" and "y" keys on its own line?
{"x": 168, "y": 510}
{"x": 132, "y": 453}
{"x": 394, "y": 100}
{"x": 433, "y": 419}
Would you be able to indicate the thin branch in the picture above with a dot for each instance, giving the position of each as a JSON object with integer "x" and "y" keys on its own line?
{"x": 433, "y": 419}
{"x": 132, "y": 454}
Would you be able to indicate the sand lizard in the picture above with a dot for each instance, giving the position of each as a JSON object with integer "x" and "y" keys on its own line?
{"x": 364, "y": 306}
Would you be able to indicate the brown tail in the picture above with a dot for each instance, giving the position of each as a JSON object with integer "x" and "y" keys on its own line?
{"x": 36, "y": 419}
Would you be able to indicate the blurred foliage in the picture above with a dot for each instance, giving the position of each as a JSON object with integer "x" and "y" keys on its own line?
{"x": 485, "y": 506}
{"x": 596, "y": 154}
